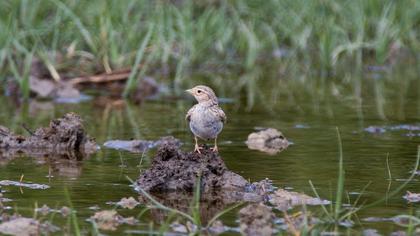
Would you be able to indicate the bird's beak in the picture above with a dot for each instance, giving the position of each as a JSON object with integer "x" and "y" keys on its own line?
{"x": 189, "y": 91}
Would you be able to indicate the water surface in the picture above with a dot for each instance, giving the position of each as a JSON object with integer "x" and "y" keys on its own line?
{"x": 309, "y": 121}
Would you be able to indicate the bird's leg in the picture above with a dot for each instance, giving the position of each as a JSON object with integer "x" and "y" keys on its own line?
{"x": 196, "y": 147}
{"x": 215, "y": 149}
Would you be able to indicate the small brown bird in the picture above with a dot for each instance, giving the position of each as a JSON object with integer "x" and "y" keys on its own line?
{"x": 205, "y": 118}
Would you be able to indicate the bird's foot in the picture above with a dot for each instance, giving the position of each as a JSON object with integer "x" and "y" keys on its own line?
{"x": 214, "y": 149}
{"x": 197, "y": 148}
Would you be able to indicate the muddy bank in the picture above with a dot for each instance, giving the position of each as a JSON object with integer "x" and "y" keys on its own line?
{"x": 175, "y": 170}
{"x": 63, "y": 135}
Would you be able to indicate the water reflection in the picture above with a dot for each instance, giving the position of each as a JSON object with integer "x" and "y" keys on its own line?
{"x": 210, "y": 204}
{"x": 66, "y": 163}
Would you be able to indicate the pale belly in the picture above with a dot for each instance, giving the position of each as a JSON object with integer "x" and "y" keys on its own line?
{"x": 205, "y": 125}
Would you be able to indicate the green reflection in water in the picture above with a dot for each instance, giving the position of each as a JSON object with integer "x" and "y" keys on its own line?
{"x": 101, "y": 178}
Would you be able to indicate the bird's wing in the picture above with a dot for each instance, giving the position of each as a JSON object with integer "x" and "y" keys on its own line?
{"x": 220, "y": 113}
{"x": 188, "y": 116}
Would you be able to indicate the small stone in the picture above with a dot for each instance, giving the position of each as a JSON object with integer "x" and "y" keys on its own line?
{"x": 129, "y": 203}
{"x": 412, "y": 197}
{"x": 217, "y": 227}
{"x": 179, "y": 228}
{"x": 44, "y": 210}
{"x": 65, "y": 211}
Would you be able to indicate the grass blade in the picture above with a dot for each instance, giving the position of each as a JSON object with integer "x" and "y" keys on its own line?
{"x": 139, "y": 55}
{"x": 340, "y": 182}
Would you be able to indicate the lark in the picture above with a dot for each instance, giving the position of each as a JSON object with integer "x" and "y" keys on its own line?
{"x": 206, "y": 118}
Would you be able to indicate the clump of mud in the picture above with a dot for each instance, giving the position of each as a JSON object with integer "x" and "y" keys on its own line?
{"x": 173, "y": 176}
{"x": 175, "y": 170}
{"x": 65, "y": 134}
{"x": 269, "y": 140}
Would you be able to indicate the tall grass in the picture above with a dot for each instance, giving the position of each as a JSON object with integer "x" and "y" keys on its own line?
{"x": 208, "y": 37}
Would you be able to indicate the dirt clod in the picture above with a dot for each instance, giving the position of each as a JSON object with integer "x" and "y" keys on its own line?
{"x": 268, "y": 140}
{"x": 110, "y": 220}
{"x": 107, "y": 220}
{"x": 129, "y": 203}
{"x": 175, "y": 170}
{"x": 65, "y": 134}
{"x": 284, "y": 200}
{"x": 20, "y": 226}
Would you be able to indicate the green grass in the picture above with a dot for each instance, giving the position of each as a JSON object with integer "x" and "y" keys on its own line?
{"x": 213, "y": 38}
{"x": 337, "y": 214}
{"x": 331, "y": 220}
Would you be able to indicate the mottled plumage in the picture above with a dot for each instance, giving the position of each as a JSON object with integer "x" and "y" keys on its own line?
{"x": 205, "y": 118}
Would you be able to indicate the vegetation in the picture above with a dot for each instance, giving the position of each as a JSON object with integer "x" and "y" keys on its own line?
{"x": 240, "y": 48}
{"x": 234, "y": 39}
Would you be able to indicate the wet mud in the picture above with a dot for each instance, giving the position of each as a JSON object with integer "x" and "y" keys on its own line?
{"x": 20, "y": 226}
{"x": 269, "y": 140}
{"x": 64, "y": 136}
{"x": 175, "y": 170}
{"x": 110, "y": 220}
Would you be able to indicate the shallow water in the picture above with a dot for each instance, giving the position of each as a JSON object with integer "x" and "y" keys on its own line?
{"x": 309, "y": 122}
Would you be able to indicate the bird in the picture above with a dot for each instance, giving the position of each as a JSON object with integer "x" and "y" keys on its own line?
{"x": 205, "y": 118}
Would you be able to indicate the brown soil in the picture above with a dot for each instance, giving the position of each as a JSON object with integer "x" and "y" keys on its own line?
{"x": 175, "y": 170}
{"x": 63, "y": 135}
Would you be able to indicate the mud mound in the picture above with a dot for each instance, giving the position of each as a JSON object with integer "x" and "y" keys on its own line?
{"x": 175, "y": 170}
{"x": 269, "y": 140}
{"x": 63, "y": 134}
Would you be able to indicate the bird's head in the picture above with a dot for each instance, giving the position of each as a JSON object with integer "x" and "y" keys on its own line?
{"x": 203, "y": 94}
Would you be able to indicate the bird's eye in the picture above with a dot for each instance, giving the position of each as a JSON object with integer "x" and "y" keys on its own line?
{"x": 199, "y": 91}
